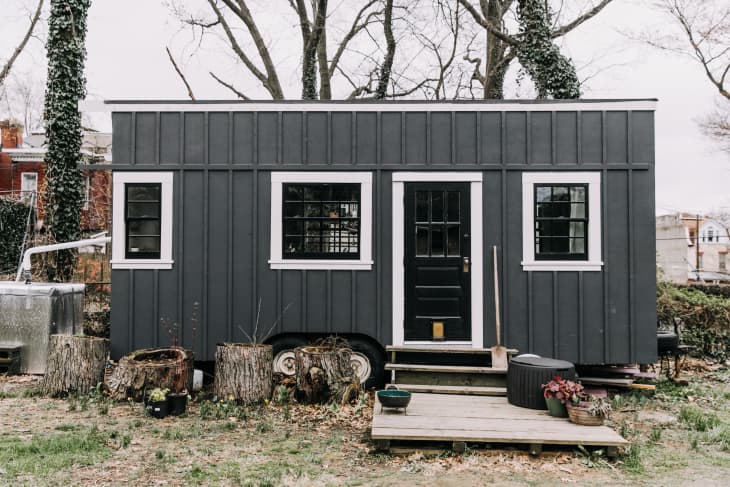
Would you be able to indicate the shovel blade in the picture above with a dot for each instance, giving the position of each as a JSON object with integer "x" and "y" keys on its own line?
{"x": 499, "y": 357}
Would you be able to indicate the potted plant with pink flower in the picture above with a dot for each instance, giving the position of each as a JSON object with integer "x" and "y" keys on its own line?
{"x": 559, "y": 392}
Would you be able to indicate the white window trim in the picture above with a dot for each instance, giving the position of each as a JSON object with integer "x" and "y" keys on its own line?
{"x": 27, "y": 194}
{"x": 365, "y": 179}
{"x": 477, "y": 250}
{"x": 593, "y": 179}
{"x": 119, "y": 261}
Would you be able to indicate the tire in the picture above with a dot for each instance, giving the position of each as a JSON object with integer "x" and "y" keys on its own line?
{"x": 283, "y": 350}
{"x": 667, "y": 342}
{"x": 365, "y": 351}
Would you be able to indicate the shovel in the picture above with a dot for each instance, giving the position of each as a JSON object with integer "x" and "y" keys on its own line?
{"x": 499, "y": 352}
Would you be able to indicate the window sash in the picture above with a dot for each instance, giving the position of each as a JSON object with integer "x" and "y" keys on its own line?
{"x": 156, "y": 216}
{"x": 328, "y": 231}
{"x": 562, "y": 221}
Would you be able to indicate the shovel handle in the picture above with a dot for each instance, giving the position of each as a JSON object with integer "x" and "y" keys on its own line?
{"x": 497, "y": 321}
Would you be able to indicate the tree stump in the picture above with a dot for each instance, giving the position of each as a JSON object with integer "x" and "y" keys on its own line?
{"x": 166, "y": 368}
{"x": 325, "y": 374}
{"x": 243, "y": 371}
{"x": 75, "y": 364}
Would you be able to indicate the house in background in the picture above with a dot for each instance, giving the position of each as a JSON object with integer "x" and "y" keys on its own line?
{"x": 692, "y": 248}
{"x": 22, "y": 172}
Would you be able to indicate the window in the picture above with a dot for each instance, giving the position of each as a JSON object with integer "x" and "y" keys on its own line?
{"x": 561, "y": 221}
{"x": 28, "y": 186}
{"x": 700, "y": 261}
{"x": 142, "y": 205}
{"x": 321, "y": 220}
{"x": 722, "y": 264}
{"x": 142, "y": 215}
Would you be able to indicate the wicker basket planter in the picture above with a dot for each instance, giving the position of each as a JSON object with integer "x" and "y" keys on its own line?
{"x": 580, "y": 414}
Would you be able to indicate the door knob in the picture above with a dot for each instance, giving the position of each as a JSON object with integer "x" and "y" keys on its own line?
{"x": 467, "y": 264}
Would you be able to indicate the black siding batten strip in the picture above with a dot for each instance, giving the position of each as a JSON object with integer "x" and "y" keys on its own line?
{"x": 231, "y": 263}
{"x": 556, "y": 320}
{"x": 206, "y": 258}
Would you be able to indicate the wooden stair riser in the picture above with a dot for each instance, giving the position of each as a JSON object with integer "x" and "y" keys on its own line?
{"x": 450, "y": 379}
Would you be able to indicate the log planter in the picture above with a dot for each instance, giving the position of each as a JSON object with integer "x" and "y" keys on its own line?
{"x": 243, "y": 371}
{"x": 143, "y": 370}
{"x": 75, "y": 364}
{"x": 324, "y": 374}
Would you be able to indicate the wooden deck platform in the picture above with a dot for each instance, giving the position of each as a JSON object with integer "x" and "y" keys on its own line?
{"x": 484, "y": 419}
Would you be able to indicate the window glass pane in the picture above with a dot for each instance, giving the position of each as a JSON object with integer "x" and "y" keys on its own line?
{"x": 143, "y": 193}
{"x": 293, "y": 192}
{"x": 143, "y": 210}
{"x": 421, "y": 206}
{"x": 437, "y": 206}
{"x": 543, "y": 194}
{"x": 138, "y": 245}
{"x": 544, "y": 210}
{"x": 143, "y": 228}
{"x": 315, "y": 192}
{"x": 577, "y": 229}
{"x": 312, "y": 209}
{"x": 453, "y": 209}
{"x": 437, "y": 241}
{"x": 312, "y": 244}
{"x": 559, "y": 228}
{"x": 292, "y": 210}
{"x": 577, "y": 245}
{"x": 453, "y": 241}
{"x": 561, "y": 193}
{"x": 349, "y": 210}
{"x": 560, "y": 210}
{"x": 578, "y": 194}
{"x": 293, "y": 228}
{"x": 577, "y": 210}
{"x": 421, "y": 241}
{"x": 293, "y": 244}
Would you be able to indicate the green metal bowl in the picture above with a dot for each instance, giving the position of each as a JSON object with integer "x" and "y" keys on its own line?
{"x": 391, "y": 398}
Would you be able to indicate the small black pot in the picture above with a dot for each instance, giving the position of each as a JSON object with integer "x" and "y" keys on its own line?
{"x": 157, "y": 409}
{"x": 177, "y": 403}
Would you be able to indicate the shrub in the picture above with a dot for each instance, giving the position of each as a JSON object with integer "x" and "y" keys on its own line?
{"x": 703, "y": 319}
{"x": 13, "y": 218}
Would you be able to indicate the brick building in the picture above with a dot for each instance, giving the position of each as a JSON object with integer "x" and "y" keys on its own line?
{"x": 22, "y": 172}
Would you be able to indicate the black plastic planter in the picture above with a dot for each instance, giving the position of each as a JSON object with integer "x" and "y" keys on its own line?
{"x": 157, "y": 409}
{"x": 177, "y": 403}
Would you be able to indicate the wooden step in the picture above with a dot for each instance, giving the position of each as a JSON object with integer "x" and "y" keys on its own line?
{"x": 446, "y": 349}
{"x": 454, "y": 369}
{"x": 466, "y": 390}
{"x": 606, "y": 381}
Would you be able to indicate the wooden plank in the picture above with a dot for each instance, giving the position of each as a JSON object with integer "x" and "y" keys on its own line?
{"x": 457, "y": 369}
{"x": 606, "y": 381}
{"x": 529, "y": 437}
{"x": 484, "y": 391}
{"x": 493, "y": 412}
{"x": 444, "y": 349}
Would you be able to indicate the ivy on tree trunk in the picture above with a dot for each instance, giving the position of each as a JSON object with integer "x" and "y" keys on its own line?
{"x": 553, "y": 74}
{"x": 66, "y": 86}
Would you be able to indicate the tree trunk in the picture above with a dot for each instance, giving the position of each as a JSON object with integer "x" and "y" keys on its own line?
{"x": 166, "y": 368}
{"x": 243, "y": 371}
{"x": 325, "y": 374}
{"x": 75, "y": 364}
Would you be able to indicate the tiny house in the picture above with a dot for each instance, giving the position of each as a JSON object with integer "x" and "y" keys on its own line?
{"x": 376, "y": 222}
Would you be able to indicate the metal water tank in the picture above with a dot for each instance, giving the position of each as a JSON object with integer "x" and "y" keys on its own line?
{"x": 30, "y": 313}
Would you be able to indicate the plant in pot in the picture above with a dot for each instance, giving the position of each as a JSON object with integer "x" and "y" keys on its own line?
{"x": 157, "y": 403}
{"x": 180, "y": 377}
{"x": 589, "y": 410}
{"x": 558, "y": 392}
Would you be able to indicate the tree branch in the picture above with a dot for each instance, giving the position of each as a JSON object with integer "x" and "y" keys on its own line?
{"x": 580, "y": 19}
{"x": 229, "y": 86}
{"x": 493, "y": 29}
{"x": 387, "y": 66}
{"x": 9, "y": 64}
{"x": 180, "y": 74}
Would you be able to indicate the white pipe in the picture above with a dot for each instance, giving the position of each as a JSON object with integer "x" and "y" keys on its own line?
{"x": 25, "y": 266}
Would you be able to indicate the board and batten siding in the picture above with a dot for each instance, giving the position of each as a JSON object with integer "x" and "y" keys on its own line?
{"x": 222, "y": 163}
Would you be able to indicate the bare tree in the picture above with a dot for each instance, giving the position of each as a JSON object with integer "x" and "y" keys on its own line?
{"x": 367, "y": 44}
{"x": 703, "y": 34}
{"x": 502, "y": 42}
{"x": 5, "y": 70}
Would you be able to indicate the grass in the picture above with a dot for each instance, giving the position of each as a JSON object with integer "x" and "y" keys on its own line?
{"x": 44, "y": 455}
{"x": 698, "y": 419}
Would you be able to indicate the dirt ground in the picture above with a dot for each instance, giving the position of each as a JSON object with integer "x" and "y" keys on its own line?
{"x": 679, "y": 435}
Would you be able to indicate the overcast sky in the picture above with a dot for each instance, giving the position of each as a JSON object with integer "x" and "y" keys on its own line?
{"x": 127, "y": 60}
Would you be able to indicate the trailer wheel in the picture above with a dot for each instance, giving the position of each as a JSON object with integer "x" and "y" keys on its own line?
{"x": 369, "y": 363}
{"x": 283, "y": 349}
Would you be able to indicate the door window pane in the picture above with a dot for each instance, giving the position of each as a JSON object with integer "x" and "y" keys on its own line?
{"x": 437, "y": 241}
{"x": 453, "y": 209}
{"x": 453, "y": 247}
{"x": 437, "y": 206}
{"x": 422, "y": 241}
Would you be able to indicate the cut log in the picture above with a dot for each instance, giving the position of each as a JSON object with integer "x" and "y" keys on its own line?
{"x": 75, "y": 364}
{"x": 325, "y": 374}
{"x": 142, "y": 370}
{"x": 243, "y": 371}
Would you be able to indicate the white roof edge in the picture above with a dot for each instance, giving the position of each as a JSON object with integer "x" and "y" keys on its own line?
{"x": 172, "y": 106}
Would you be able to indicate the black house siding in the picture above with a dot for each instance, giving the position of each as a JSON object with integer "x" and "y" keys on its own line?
{"x": 222, "y": 162}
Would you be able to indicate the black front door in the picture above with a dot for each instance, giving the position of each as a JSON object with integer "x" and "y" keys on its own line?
{"x": 437, "y": 260}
